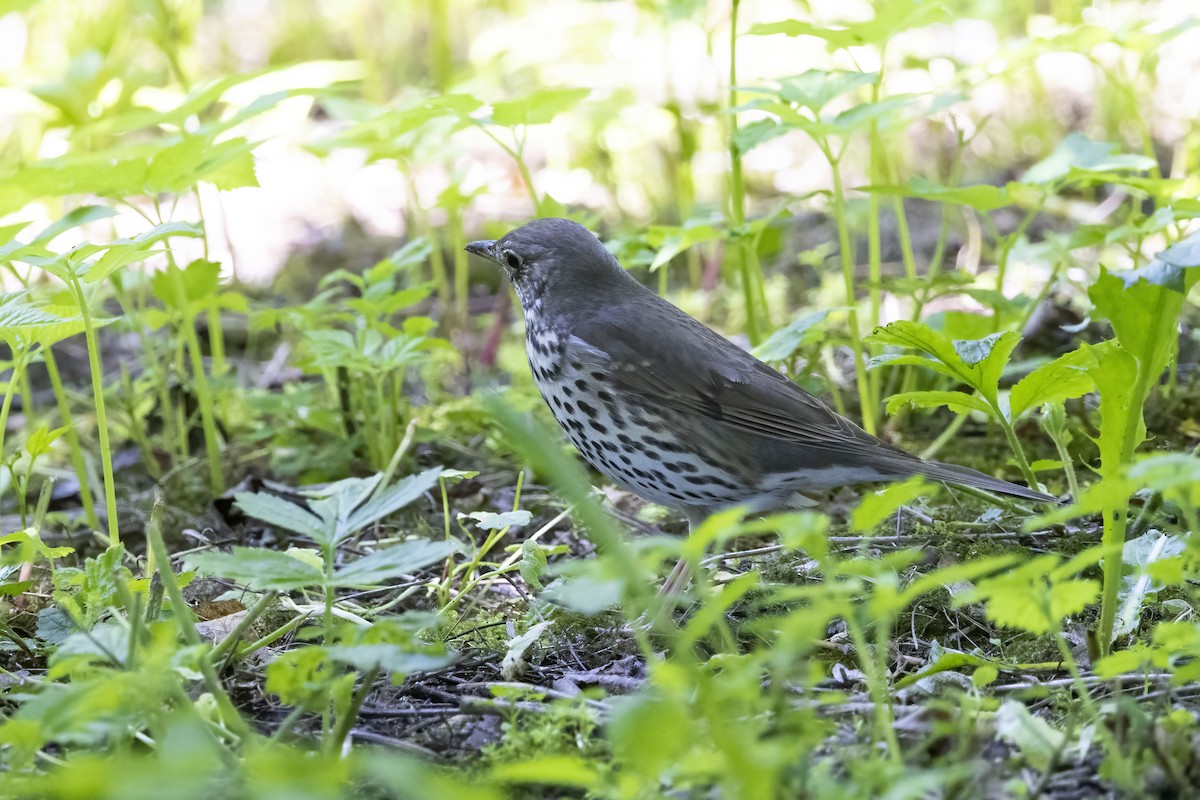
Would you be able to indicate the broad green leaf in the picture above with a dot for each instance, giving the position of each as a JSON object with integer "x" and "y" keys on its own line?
{"x": 815, "y": 88}
{"x": 393, "y": 562}
{"x": 977, "y": 363}
{"x": 513, "y": 664}
{"x": 1176, "y": 475}
{"x": 783, "y": 343}
{"x": 533, "y": 564}
{"x": 588, "y": 593}
{"x": 396, "y": 659}
{"x": 1038, "y": 742}
{"x": 859, "y": 117}
{"x": 1115, "y": 373}
{"x": 1027, "y": 598}
{"x": 29, "y": 547}
{"x": 890, "y": 18}
{"x": 491, "y": 521}
{"x": 673, "y": 240}
{"x": 1078, "y": 152}
{"x": 282, "y": 514}
{"x": 753, "y": 134}
{"x": 650, "y": 731}
{"x": 552, "y": 770}
{"x": 1063, "y": 378}
{"x": 980, "y": 197}
{"x": 958, "y": 402}
{"x": 392, "y": 499}
{"x": 536, "y": 108}
{"x": 199, "y": 279}
{"x": 257, "y": 567}
{"x": 877, "y": 506}
{"x": 79, "y": 216}
{"x": 124, "y": 252}
{"x": 1140, "y": 554}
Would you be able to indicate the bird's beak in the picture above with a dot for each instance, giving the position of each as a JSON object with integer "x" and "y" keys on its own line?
{"x": 484, "y": 247}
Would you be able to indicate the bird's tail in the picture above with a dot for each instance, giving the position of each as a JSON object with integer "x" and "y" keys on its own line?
{"x": 952, "y": 473}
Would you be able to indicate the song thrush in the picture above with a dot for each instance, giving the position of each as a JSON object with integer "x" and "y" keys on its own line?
{"x": 668, "y": 408}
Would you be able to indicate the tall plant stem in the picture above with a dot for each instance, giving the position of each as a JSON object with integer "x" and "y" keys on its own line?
{"x": 68, "y": 420}
{"x": 749, "y": 269}
{"x": 216, "y": 476}
{"x": 866, "y": 399}
{"x": 187, "y": 626}
{"x": 1112, "y": 539}
{"x": 93, "y": 347}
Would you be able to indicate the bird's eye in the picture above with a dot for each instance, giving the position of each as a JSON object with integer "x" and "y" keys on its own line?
{"x": 513, "y": 260}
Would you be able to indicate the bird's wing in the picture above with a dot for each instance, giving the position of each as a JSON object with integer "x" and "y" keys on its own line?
{"x": 691, "y": 369}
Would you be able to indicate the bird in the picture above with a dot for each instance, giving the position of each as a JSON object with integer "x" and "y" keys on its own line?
{"x": 668, "y": 408}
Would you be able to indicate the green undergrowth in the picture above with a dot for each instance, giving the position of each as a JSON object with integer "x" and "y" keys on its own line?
{"x": 314, "y": 535}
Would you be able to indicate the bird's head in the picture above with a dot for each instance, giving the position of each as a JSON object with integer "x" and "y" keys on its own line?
{"x": 550, "y": 258}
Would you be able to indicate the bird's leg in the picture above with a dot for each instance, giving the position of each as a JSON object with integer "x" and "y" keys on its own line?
{"x": 677, "y": 581}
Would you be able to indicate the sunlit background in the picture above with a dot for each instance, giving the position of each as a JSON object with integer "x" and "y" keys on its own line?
{"x": 645, "y": 146}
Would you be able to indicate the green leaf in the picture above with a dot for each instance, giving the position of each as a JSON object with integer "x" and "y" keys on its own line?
{"x": 1063, "y": 378}
{"x": 588, "y": 594}
{"x": 877, "y": 506}
{"x": 1033, "y": 736}
{"x": 673, "y": 240}
{"x": 282, "y": 514}
{"x": 890, "y": 18}
{"x": 785, "y": 342}
{"x": 554, "y": 770}
{"x": 1078, "y": 152}
{"x": 392, "y": 499}
{"x": 980, "y": 197}
{"x": 75, "y": 218}
{"x": 29, "y": 547}
{"x": 1029, "y": 598}
{"x": 536, "y": 108}
{"x": 650, "y": 731}
{"x": 491, "y": 521}
{"x": 513, "y": 664}
{"x": 200, "y": 281}
{"x": 124, "y": 252}
{"x": 977, "y": 363}
{"x": 396, "y": 659}
{"x": 751, "y": 135}
{"x": 1115, "y": 374}
{"x": 400, "y": 559}
{"x": 815, "y": 88}
{"x": 958, "y": 402}
{"x": 1137, "y": 585}
{"x": 533, "y": 564}
{"x": 258, "y": 568}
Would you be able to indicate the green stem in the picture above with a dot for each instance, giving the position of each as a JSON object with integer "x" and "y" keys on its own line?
{"x": 346, "y": 721}
{"x": 18, "y": 366}
{"x": 187, "y": 625}
{"x": 885, "y": 729}
{"x": 948, "y": 433}
{"x": 78, "y": 463}
{"x": 865, "y": 399}
{"x": 216, "y": 476}
{"x": 1115, "y": 513}
{"x": 749, "y": 269}
{"x": 1018, "y": 451}
{"x": 93, "y": 346}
